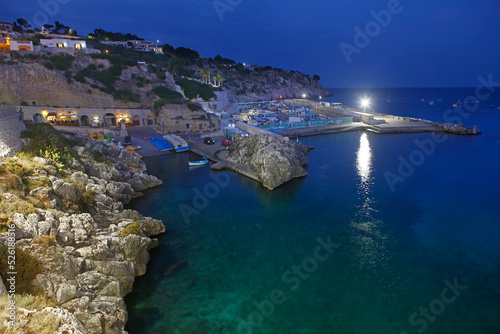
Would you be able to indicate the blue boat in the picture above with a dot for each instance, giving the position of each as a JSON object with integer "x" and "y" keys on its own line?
{"x": 199, "y": 162}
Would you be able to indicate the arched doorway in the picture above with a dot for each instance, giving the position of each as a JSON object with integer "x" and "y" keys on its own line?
{"x": 136, "y": 120}
{"x": 24, "y": 48}
{"x": 84, "y": 121}
{"x": 149, "y": 120}
{"x": 110, "y": 119}
{"x": 38, "y": 118}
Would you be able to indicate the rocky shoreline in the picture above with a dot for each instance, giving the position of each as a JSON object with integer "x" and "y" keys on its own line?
{"x": 89, "y": 258}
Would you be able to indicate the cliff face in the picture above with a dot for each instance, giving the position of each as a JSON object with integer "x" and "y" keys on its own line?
{"x": 28, "y": 80}
{"x": 90, "y": 259}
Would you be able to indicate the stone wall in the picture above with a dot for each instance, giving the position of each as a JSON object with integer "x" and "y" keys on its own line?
{"x": 178, "y": 118}
{"x": 10, "y": 132}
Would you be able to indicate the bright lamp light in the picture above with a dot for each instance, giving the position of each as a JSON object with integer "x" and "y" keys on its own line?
{"x": 365, "y": 102}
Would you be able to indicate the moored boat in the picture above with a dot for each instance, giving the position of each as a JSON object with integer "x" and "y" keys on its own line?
{"x": 198, "y": 162}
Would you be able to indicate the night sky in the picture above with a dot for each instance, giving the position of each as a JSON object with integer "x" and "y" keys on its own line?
{"x": 419, "y": 43}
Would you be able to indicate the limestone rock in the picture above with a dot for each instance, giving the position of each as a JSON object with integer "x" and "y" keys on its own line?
{"x": 67, "y": 191}
{"x": 136, "y": 250}
{"x": 458, "y": 129}
{"x": 142, "y": 181}
{"x": 275, "y": 159}
{"x": 47, "y": 196}
{"x": 120, "y": 191}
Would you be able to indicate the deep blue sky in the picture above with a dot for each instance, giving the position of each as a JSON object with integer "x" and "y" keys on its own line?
{"x": 429, "y": 43}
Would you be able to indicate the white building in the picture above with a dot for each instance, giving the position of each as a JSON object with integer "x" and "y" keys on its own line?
{"x": 21, "y": 45}
{"x": 75, "y": 44}
{"x": 5, "y": 26}
{"x": 145, "y": 46}
{"x": 66, "y": 45}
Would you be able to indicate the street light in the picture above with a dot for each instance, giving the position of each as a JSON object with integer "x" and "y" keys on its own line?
{"x": 365, "y": 103}
{"x": 304, "y": 95}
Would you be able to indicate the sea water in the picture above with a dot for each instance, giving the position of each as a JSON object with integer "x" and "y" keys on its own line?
{"x": 346, "y": 249}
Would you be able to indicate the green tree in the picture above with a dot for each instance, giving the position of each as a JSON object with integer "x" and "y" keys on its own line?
{"x": 176, "y": 65}
{"x": 23, "y": 23}
{"x": 316, "y": 77}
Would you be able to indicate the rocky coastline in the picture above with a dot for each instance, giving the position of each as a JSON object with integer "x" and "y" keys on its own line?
{"x": 90, "y": 248}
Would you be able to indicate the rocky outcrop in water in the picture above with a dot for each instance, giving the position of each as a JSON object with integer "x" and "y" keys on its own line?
{"x": 275, "y": 159}
{"x": 90, "y": 258}
{"x": 458, "y": 129}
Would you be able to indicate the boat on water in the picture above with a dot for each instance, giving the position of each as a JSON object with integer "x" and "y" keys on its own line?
{"x": 389, "y": 99}
{"x": 422, "y": 100}
{"x": 431, "y": 103}
{"x": 201, "y": 162}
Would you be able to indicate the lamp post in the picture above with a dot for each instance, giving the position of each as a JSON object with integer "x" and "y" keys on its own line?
{"x": 365, "y": 102}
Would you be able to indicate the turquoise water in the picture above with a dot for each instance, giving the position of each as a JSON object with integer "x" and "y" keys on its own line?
{"x": 259, "y": 261}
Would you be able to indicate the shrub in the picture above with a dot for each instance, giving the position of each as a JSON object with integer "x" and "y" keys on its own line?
{"x": 48, "y": 65}
{"x": 89, "y": 196}
{"x": 24, "y": 103}
{"x": 133, "y": 228}
{"x": 27, "y": 267}
{"x": 168, "y": 95}
{"x": 4, "y": 222}
{"x": 62, "y": 62}
{"x": 194, "y": 107}
{"x": 50, "y": 144}
{"x": 48, "y": 240}
{"x": 126, "y": 96}
{"x": 106, "y": 77}
{"x": 193, "y": 89}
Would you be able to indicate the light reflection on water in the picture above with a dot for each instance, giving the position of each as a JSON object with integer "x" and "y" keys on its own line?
{"x": 364, "y": 164}
{"x": 368, "y": 238}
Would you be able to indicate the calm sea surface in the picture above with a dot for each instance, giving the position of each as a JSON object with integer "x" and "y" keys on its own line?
{"x": 387, "y": 234}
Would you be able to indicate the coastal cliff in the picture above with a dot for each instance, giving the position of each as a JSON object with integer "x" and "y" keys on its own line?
{"x": 71, "y": 221}
{"x": 275, "y": 159}
{"x": 112, "y": 81}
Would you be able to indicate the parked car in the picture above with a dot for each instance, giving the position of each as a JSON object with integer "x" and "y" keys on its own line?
{"x": 208, "y": 141}
{"x": 127, "y": 141}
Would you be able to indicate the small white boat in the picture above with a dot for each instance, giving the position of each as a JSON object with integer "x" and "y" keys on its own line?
{"x": 199, "y": 162}
{"x": 431, "y": 103}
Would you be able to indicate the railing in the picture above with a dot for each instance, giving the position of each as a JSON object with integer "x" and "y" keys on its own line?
{"x": 323, "y": 122}
{"x": 7, "y": 112}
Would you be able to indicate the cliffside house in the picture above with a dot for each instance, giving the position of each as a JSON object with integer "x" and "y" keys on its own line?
{"x": 66, "y": 45}
{"x": 5, "y": 27}
{"x": 7, "y": 43}
{"x": 144, "y": 46}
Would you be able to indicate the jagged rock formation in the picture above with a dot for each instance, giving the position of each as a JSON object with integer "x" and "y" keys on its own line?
{"x": 275, "y": 159}
{"x": 458, "y": 129}
{"x": 90, "y": 258}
